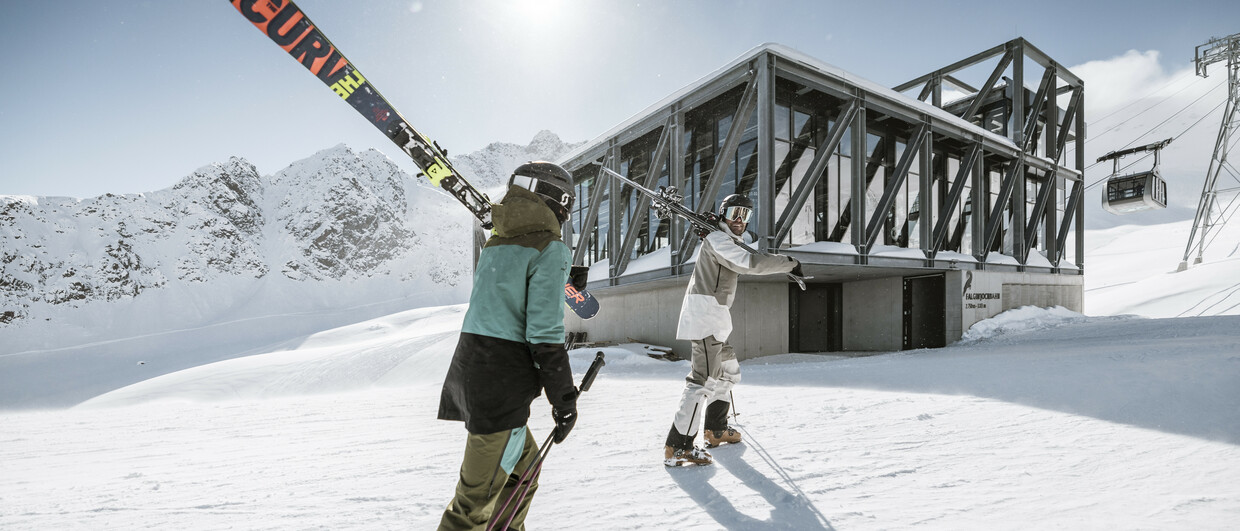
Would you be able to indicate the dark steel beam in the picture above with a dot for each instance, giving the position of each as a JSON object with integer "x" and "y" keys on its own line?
{"x": 1030, "y": 137}
{"x": 990, "y": 85}
{"x": 765, "y": 213}
{"x": 1050, "y": 115}
{"x": 727, "y": 154}
{"x": 1051, "y": 223}
{"x": 1039, "y": 209}
{"x": 995, "y": 220}
{"x": 677, "y": 178}
{"x": 1017, "y": 90}
{"x": 1079, "y": 212}
{"x": 817, "y": 169}
{"x": 591, "y": 221}
{"x": 956, "y": 82}
{"x": 657, "y": 161}
{"x": 929, "y": 88}
{"x": 1062, "y": 140}
{"x": 873, "y": 163}
{"x": 954, "y": 67}
{"x": 1051, "y": 118}
{"x": 925, "y": 196}
{"x": 614, "y": 210}
{"x": 1074, "y": 199}
{"x": 860, "y": 181}
{"x": 893, "y": 184}
{"x": 953, "y": 197}
{"x": 1041, "y": 58}
{"x": 978, "y": 177}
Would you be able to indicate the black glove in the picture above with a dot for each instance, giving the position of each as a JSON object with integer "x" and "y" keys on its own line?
{"x": 564, "y": 421}
{"x": 556, "y": 378}
{"x": 579, "y": 275}
{"x": 711, "y": 219}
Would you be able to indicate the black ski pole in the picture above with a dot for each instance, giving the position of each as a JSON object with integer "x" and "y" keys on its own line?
{"x": 530, "y": 475}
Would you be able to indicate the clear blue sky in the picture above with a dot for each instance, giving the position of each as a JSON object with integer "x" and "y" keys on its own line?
{"x": 131, "y": 96}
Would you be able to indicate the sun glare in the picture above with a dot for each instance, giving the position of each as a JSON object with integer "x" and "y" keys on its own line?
{"x": 537, "y": 14}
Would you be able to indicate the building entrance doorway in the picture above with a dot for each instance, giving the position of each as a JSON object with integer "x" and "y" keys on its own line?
{"x": 817, "y": 317}
{"x": 925, "y": 311}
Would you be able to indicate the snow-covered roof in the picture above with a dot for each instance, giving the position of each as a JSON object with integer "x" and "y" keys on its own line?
{"x": 787, "y": 53}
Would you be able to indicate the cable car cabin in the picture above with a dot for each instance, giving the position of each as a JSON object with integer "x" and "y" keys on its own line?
{"x": 1135, "y": 193}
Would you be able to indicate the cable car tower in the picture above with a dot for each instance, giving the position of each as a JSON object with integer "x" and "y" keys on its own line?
{"x": 1135, "y": 192}
{"x": 1226, "y": 49}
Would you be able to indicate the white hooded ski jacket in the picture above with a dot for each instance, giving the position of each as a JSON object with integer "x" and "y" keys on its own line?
{"x": 712, "y": 287}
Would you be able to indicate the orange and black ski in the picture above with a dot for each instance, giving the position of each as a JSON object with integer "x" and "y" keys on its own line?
{"x": 286, "y": 25}
{"x": 292, "y": 30}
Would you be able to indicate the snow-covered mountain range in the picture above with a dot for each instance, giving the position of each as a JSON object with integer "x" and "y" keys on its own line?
{"x": 337, "y": 230}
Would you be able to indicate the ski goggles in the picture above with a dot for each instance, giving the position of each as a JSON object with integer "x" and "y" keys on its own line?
{"x": 543, "y": 188}
{"x": 737, "y": 213}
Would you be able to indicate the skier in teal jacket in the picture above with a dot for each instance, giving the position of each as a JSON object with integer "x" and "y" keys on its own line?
{"x": 512, "y": 347}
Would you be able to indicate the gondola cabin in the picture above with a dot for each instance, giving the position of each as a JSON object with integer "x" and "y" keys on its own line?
{"x": 1135, "y": 192}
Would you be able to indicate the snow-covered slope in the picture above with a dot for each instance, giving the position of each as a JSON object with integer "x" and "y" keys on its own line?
{"x": 1042, "y": 418}
{"x": 1133, "y": 270}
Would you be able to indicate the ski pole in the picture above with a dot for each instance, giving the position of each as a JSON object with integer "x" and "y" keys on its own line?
{"x": 531, "y": 473}
{"x": 523, "y": 484}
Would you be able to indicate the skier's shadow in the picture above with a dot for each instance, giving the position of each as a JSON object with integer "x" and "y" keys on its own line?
{"x": 788, "y": 510}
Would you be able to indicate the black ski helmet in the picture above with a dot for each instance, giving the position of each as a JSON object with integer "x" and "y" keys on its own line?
{"x": 735, "y": 200}
{"x": 548, "y": 180}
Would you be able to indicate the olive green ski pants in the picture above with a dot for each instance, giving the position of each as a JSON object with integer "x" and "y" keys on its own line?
{"x": 492, "y": 466}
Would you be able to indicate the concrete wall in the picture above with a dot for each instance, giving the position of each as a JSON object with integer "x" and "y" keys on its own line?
{"x": 983, "y": 294}
{"x": 873, "y": 315}
{"x": 760, "y": 320}
{"x": 644, "y": 316}
{"x": 759, "y": 317}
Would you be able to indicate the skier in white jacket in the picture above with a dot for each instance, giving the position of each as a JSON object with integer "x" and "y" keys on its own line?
{"x": 706, "y": 322}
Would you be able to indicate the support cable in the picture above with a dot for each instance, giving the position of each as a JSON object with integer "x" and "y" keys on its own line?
{"x": 1116, "y": 126}
{"x": 1189, "y": 128}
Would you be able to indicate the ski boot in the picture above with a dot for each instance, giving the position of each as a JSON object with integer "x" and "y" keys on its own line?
{"x": 714, "y": 438}
{"x": 692, "y": 456}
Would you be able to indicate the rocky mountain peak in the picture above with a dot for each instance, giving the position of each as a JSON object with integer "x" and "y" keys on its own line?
{"x": 339, "y": 229}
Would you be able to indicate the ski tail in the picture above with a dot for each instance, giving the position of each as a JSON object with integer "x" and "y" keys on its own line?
{"x": 287, "y": 26}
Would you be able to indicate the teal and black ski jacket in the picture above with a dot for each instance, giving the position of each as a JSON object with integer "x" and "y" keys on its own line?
{"x": 512, "y": 342}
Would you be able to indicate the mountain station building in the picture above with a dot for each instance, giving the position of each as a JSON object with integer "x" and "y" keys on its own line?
{"x": 918, "y": 210}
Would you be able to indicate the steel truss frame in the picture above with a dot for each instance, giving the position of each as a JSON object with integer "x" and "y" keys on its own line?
{"x": 1031, "y": 153}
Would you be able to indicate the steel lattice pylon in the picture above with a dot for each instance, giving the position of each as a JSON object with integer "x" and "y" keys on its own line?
{"x": 1208, "y": 220}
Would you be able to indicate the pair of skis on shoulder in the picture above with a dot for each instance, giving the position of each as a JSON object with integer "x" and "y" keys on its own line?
{"x": 286, "y": 25}
{"x": 667, "y": 202}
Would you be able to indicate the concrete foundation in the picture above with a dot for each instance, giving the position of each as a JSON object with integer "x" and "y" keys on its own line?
{"x": 872, "y": 316}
